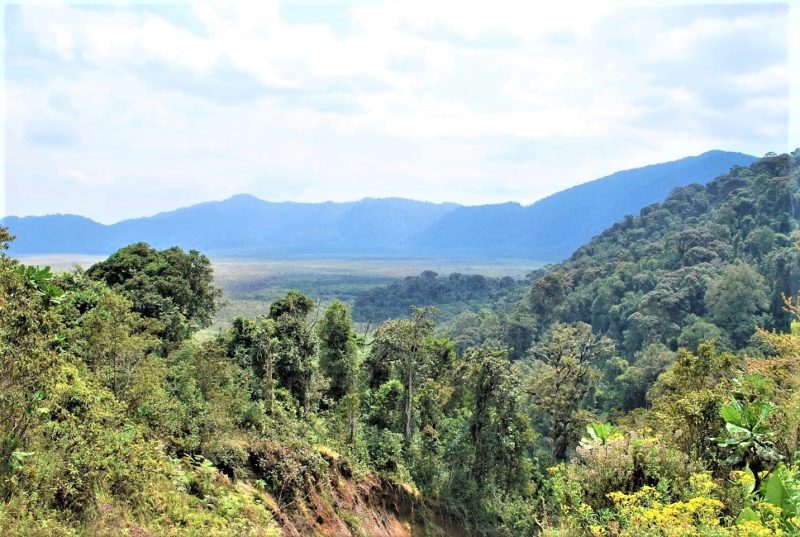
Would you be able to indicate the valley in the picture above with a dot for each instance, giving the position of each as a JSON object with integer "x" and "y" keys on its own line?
{"x": 390, "y": 268}
{"x": 250, "y": 285}
{"x": 647, "y": 382}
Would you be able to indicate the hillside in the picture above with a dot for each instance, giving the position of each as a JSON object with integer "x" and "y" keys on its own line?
{"x": 710, "y": 262}
{"x": 245, "y": 226}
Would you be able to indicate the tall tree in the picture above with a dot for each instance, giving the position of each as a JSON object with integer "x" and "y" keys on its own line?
{"x": 172, "y": 286}
{"x": 338, "y": 354}
{"x": 562, "y": 375}
{"x": 737, "y": 300}
{"x": 113, "y": 346}
{"x": 399, "y": 344}
{"x": 265, "y": 347}
{"x": 296, "y": 347}
{"x": 499, "y": 430}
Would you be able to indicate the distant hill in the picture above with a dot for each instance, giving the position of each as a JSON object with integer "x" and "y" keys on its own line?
{"x": 554, "y": 227}
{"x": 245, "y": 226}
{"x": 241, "y": 226}
{"x": 58, "y": 233}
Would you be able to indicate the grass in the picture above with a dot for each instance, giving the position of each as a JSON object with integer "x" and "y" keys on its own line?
{"x": 250, "y": 285}
{"x": 60, "y": 262}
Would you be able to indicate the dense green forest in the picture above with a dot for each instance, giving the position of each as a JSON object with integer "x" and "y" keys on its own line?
{"x": 646, "y": 386}
{"x": 450, "y": 294}
{"x": 711, "y": 262}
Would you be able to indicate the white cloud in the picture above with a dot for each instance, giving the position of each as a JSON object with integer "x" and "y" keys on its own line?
{"x": 460, "y": 101}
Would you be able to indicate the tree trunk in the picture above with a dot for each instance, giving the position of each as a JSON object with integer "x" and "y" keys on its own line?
{"x": 268, "y": 388}
{"x": 114, "y": 367}
{"x": 351, "y": 422}
{"x": 560, "y": 440}
{"x": 306, "y": 398}
{"x": 307, "y": 386}
{"x": 409, "y": 403}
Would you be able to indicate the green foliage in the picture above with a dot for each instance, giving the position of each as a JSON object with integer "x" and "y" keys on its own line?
{"x": 687, "y": 398}
{"x": 782, "y": 490}
{"x": 735, "y": 301}
{"x": 402, "y": 349}
{"x": 698, "y": 331}
{"x": 749, "y": 438}
{"x": 114, "y": 421}
{"x": 112, "y": 341}
{"x": 28, "y": 332}
{"x": 560, "y": 378}
{"x": 105, "y": 450}
{"x": 450, "y": 294}
{"x": 499, "y": 430}
{"x": 599, "y": 433}
{"x": 504, "y": 326}
{"x": 171, "y": 286}
{"x": 635, "y": 380}
{"x": 338, "y": 356}
{"x": 385, "y": 449}
{"x": 775, "y": 504}
{"x": 710, "y": 262}
{"x": 40, "y": 279}
{"x": 296, "y": 345}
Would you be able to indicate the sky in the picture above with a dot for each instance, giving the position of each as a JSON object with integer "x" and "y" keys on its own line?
{"x": 117, "y": 110}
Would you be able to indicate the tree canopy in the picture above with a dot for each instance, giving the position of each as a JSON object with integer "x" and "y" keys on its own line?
{"x": 171, "y": 286}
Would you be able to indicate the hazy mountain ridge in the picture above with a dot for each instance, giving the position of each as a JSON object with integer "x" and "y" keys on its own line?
{"x": 246, "y": 226}
{"x": 557, "y": 225}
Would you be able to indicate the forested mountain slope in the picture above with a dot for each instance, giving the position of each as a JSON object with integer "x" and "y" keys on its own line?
{"x": 245, "y": 226}
{"x": 710, "y": 262}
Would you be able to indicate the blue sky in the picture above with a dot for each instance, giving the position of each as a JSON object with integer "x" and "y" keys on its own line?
{"x": 124, "y": 109}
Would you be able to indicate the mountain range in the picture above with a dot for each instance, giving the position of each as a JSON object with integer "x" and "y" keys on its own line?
{"x": 245, "y": 226}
